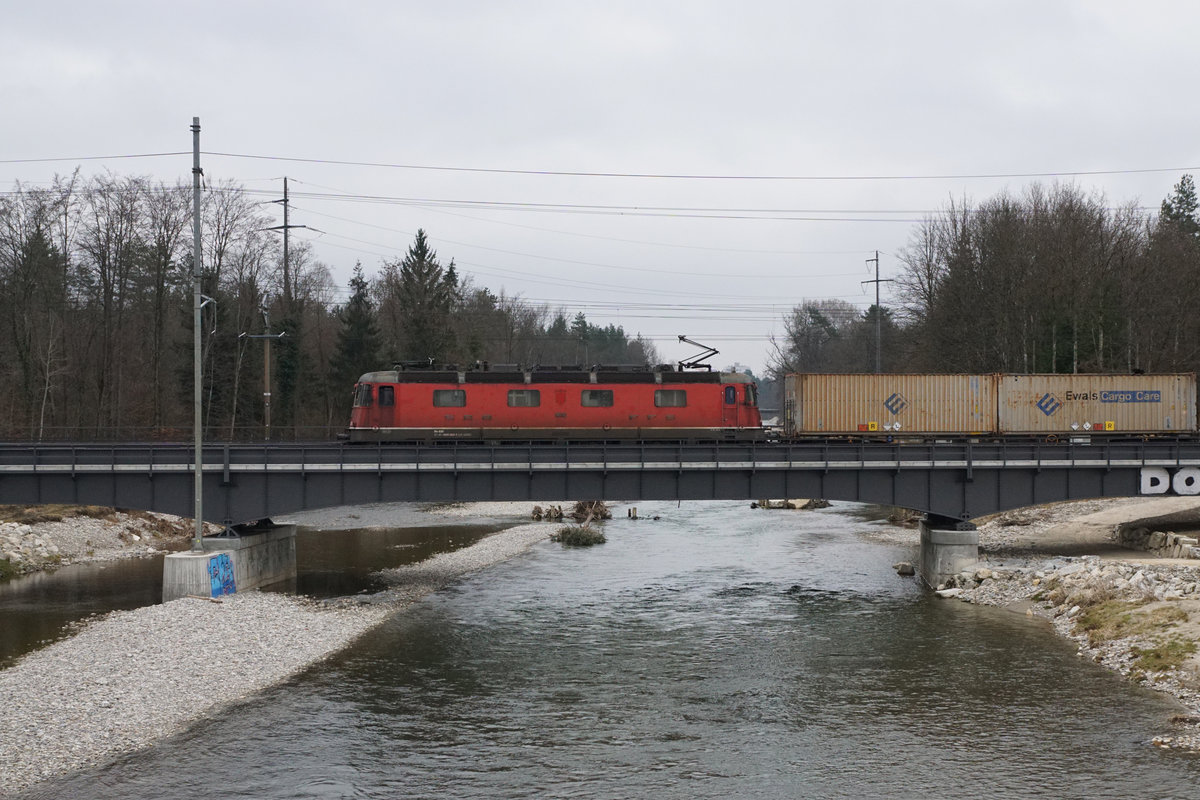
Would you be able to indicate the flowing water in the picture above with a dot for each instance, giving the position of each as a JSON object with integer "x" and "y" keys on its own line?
{"x": 716, "y": 652}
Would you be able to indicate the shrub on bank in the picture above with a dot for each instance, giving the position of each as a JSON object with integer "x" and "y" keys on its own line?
{"x": 578, "y": 536}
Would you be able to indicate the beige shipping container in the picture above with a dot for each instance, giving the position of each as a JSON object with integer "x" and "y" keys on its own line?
{"x": 1067, "y": 404}
{"x": 889, "y": 404}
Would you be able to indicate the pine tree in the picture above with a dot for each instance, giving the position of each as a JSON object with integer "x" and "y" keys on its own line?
{"x": 424, "y": 296}
{"x": 1180, "y": 209}
{"x": 357, "y": 348}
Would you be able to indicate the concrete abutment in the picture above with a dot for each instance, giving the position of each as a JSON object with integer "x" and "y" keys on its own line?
{"x": 243, "y": 559}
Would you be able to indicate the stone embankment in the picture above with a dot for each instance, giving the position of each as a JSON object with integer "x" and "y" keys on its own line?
{"x": 46, "y": 537}
{"x": 1164, "y": 544}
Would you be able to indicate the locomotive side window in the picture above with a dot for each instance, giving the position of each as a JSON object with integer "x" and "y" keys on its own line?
{"x": 730, "y": 394}
{"x": 595, "y": 398}
{"x": 751, "y": 394}
{"x": 362, "y": 396}
{"x": 455, "y": 398}
{"x": 524, "y": 398}
{"x": 387, "y": 395}
{"x": 670, "y": 398}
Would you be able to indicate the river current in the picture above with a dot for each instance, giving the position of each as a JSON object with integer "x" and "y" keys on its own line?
{"x": 714, "y": 652}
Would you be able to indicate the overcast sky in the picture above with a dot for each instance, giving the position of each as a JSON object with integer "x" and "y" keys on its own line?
{"x": 895, "y": 90}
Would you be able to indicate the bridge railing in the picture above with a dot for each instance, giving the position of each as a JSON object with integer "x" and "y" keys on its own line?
{"x": 801, "y": 454}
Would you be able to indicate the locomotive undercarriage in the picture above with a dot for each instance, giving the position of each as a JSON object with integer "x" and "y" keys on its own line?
{"x": 556, "y": 434}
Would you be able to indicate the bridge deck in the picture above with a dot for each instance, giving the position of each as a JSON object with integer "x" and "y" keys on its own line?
{"x": 959, "y": 479}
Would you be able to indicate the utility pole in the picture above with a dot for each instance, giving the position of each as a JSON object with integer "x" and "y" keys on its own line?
{"x": 286, "y": 299}
{"x": 285, "y": 227}
{"x": 197, "y": 304}
{"x": 266, "y": 336}
{"x": 878, "y": 313}
{"x": 267, "y": 375}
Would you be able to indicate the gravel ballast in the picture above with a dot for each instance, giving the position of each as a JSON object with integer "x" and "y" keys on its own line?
{"x": 130, "y": 678}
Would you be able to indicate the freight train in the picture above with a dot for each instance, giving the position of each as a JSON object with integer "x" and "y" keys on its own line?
{"x": 510, "y": 402}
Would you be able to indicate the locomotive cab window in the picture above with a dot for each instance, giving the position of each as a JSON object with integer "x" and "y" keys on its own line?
{"x": 449, "y": 398}
{"x": 751, "y": 394}
{"x": 730, "y": 395}
{"x": 670, "y": 398}
{"x": 596, "y": 398}
{"x": 387, "y": 395}
{"x": 362, "y": 395}
{"x": 524, "y": 398}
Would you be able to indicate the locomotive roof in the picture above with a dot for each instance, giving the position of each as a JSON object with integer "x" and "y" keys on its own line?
{"x": 510, "y": 373}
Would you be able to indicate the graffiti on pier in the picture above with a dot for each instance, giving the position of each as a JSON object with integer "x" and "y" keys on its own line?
{"x": 220, "y": 573}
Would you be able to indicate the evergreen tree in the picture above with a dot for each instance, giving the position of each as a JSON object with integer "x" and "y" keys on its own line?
{"x": 289, "y": 367}
{"x": 357, "y": 348}
{"x": 1180, "y": 209}
{"x": 424, "y": 296}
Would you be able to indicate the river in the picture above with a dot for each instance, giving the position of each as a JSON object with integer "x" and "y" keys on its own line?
{"x": 37, "y": 609}
{"x": 714, "y": 652}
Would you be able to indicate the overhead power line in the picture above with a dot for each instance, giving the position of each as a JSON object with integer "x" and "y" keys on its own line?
{"x": 89, "y": 158}
{"x": 685, "y": 176}
{"x": 651, "y": 175}
{"x": 691, "y": 273}
{"x": 577, "y": 234}
{"x": 701, "y": 212}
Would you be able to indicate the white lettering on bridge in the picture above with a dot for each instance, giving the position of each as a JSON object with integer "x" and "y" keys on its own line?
{"x": 1160, "y": 480}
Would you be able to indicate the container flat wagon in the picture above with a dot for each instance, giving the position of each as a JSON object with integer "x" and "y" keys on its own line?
{"x": 989, "y": 404}
{"x": 844, "y": 404}
{"x": 1066, "y": 404}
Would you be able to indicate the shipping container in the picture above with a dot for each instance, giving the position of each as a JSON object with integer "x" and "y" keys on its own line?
{"x": 1066, "y": 404}
{"x": 889, "y": 404}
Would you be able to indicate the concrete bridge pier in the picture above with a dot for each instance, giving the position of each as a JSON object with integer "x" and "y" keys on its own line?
{"x": 948, "y": 546}
{"x": 244, "y": 557}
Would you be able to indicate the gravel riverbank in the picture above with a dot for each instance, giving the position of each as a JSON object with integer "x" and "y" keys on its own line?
{"x": 130, "y": 678}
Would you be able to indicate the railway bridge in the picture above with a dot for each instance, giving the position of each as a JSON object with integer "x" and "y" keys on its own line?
{"x": 952, "y": 481}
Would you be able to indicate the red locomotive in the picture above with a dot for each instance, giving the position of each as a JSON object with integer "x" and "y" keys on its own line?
{"x": 489, "y": 402}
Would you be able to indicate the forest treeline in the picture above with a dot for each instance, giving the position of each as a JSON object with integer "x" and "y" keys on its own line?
{"x": 1049, "y": 280}
{"x": 96, "y": 317}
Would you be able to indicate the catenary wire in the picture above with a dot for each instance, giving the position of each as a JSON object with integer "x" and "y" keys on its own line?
{"x": 599, "y": 174}
{"x": 680, "y": 176}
